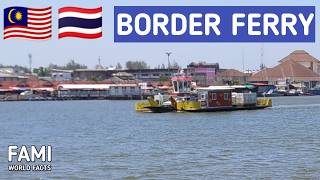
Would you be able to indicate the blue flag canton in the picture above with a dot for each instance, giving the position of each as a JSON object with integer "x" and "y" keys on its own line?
{"x": 15, "y": 16}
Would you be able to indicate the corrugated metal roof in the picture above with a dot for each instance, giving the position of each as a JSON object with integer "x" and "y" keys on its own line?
{"x": 83, "y": 86}
{"x": 93, "y": 86}
{"x": 215, "y": 88}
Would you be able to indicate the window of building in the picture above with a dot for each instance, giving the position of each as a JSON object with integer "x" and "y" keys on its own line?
{"x": 226, "y": 96}
{"x": 185, "y": 84}
{"x": 214, "y": 96}
{"x": 144, "y": 74}
{"x": 175, "y": 85}
{"x": 180, "y": 85}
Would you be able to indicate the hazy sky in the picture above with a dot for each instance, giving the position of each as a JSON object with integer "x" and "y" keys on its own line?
{"x": 15, "y": 51}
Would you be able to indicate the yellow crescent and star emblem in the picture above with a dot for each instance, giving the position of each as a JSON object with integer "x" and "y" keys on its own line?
{"x": 17, "y": 16}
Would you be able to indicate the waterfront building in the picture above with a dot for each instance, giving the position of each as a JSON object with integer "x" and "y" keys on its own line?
{"x": 92, "y": 74}
{"x": 297, "y": 68}
{"x": 10, "y": 74}
{"x": 15, "y": 89}
{"x": 146, "y": 75}
{"x": 96, "y": 91}
{"x": 12, "y": 77}
{"x": 151, "y": 75}
{"x": 61, "y": 75}
{"x": 203, "y": 73}
{"x": 231, "y": 77}
{"x": 305, "y": 59}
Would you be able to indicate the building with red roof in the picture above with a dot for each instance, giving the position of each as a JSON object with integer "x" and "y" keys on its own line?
{"x": 297, "y": 67}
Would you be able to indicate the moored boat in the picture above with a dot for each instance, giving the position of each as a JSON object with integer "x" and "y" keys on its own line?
{"x": 315, "y": 90}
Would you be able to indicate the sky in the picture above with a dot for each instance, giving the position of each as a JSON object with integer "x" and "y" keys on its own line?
{"x": 228, "y": 55}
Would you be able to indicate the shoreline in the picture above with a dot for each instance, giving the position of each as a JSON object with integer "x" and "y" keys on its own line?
{"x": 108, "y": 98}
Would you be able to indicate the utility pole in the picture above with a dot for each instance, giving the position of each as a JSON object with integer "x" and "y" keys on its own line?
{"x": 262, "y": 66}
{"x": 99, "y": 64}
{"x": 242, "y": 53}
{"x": 168, "y": 54}
{"x": 30, "y": 62}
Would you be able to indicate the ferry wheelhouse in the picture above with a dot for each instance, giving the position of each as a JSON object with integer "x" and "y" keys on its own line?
{"x": 181, "y": 84}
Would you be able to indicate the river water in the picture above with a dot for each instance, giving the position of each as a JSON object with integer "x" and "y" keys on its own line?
{"x": 109, "y": 140}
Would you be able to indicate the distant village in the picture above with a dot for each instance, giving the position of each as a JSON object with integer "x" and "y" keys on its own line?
{"x": 296, "y": 74}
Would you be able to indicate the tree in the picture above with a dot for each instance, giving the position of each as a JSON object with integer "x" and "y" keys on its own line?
{"x": 118, "y": 66}
{"x": 72, "y": 65}
{"x": 136, "y": 65}
{"x": 42, "y": 71}
{"x": 54, "y": 66}
{"x": 175, "y": 65}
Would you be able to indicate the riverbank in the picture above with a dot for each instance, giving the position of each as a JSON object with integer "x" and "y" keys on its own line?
{"x": 41, "y": 98}
{"x": 18, "y": 98}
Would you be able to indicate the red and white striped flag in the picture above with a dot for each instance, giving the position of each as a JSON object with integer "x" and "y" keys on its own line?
{"x": 80, "y": 22}
{"x": 29, "y": 23}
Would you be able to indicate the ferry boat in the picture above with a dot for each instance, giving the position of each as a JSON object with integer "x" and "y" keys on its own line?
{"x": 184, "y": 98}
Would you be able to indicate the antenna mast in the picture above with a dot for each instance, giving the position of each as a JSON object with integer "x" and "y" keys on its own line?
{"x": 30, "y": 62}
{"x": 262, "y": 57}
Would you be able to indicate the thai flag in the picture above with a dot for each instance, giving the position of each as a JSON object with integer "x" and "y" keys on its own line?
{"x": 29, "y": 23}
{"x": 80, "y": 22}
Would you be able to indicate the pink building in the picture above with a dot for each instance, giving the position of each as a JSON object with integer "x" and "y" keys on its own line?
{"x": 203, "y": 73}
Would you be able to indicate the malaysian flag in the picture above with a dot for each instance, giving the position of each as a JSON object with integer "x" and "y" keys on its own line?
{"x": 29, "y": 23}
{"x": 80, "y": 22}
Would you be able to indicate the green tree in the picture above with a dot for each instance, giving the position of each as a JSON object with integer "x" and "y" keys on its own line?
{"x": 42, "y": 71}
{"x": 72, "y": 65}
{"x": 54, "y": 66}
{"x": 136, "y": 65}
